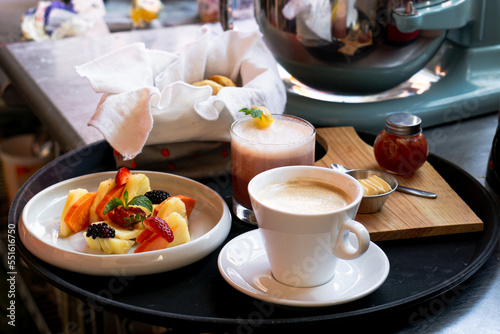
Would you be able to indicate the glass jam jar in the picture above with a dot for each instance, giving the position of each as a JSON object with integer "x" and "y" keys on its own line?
{"x": 401, "y": 148}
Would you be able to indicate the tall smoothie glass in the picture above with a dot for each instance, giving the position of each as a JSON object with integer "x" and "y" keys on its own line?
{"x": 288, "y": 141}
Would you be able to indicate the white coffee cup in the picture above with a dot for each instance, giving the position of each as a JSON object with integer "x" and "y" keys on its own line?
{"x": 303, "y": 248}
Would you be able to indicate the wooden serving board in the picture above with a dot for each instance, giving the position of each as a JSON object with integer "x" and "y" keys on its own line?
{"x": 403, "y": 216}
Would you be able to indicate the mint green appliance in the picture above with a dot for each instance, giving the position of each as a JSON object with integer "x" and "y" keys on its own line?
{"x": 353, "y": 62}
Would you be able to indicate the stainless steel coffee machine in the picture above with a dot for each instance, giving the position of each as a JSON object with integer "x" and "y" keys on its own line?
{"x": 352, "y": 62}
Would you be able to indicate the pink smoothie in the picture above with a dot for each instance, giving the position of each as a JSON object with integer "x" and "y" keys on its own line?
{"x": 288, "y": 141}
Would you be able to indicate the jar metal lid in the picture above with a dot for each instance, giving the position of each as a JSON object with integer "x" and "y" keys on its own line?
{"x": 403, "y": 124}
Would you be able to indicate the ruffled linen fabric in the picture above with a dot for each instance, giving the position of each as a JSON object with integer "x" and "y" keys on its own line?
{"x": 148, "y": 99}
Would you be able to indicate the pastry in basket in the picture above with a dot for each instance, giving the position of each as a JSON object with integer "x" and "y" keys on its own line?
{"x": 215, "y": 86}
{"x": 217, "y": 82}
{"x": 222, "y": 80}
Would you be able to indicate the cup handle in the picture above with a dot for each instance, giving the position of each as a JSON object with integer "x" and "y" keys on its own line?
{"x": 344, "y": 248}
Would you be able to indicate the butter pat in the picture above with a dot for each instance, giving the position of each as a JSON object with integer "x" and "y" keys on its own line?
{"x": 374, "y": 185}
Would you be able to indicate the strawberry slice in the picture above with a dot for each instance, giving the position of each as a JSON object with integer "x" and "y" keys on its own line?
{"x": 144, "y": 235}
{"x": 160, "y": 227}
{"x": 122, "y": 176}
{"x": 154, "y": 242}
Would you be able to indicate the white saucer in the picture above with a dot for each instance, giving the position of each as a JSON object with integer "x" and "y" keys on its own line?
{"x": 244, "y": 265}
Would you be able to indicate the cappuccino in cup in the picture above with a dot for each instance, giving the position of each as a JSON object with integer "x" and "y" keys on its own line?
{"x": 304, "y": 195}
{"x": 304, "y": 215}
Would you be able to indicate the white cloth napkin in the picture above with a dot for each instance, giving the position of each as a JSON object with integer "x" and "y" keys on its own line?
{"x": 147, "y": 97}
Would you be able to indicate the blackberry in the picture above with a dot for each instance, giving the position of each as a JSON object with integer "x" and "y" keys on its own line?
{"x": 157, "y": 196}
{"x": 100, "y": 230}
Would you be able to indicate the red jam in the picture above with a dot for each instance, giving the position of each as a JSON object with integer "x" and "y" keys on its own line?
{"x": 401, "y": 148}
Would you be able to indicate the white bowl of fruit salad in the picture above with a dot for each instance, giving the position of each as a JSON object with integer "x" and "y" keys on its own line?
{"x": 123, "y": 223}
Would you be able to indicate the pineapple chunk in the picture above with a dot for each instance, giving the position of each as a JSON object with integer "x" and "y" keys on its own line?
{"x": 104, "y": 188}
{"x": 115, "y": 246}
{"x": 109, "y": 245}
{"x": 73, "y": 196}
{"x": 173, "y": 204}
{"x": 138, "y": 184}
{"x": 125, "y": 233}
{"x": 180, "y": 228}
{"x": 93, "y": 243}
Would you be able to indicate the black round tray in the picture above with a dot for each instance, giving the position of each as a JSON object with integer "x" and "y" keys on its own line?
{"x": 197, "y": 296}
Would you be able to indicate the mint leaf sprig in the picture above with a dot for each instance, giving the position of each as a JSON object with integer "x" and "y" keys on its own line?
{"x": 139, "y": 200}
{"x": 131, "y": 220}
{"x": 255, "y": 112}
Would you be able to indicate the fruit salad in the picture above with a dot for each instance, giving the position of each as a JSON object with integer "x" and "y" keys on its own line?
{"x": 123, "y": 212}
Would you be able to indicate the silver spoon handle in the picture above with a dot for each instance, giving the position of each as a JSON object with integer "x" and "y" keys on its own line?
{"x": 416, "y": 192}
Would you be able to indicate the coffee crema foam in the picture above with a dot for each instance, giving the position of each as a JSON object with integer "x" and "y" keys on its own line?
{"x": 304, "y": 196}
